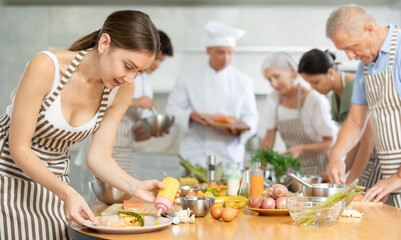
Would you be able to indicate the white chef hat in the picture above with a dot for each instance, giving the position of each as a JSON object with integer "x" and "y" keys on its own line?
{"x": 221, "y": 34}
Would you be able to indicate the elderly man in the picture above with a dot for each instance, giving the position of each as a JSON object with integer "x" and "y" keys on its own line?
{"x": 377, "y": 90}
{"x": 214, "y": 88}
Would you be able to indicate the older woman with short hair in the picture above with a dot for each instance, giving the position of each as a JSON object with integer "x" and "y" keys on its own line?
{"x": 299, "y": 114}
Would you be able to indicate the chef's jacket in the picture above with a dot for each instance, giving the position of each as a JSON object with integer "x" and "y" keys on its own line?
{"x": 227, "y": 92}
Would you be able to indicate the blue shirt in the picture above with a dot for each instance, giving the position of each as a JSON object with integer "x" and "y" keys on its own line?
{"x": 381, "y": 64}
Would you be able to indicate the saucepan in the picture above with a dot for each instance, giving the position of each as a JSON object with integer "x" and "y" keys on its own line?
{"x": 321, "y": 189}
{"x": 295, "y": 186}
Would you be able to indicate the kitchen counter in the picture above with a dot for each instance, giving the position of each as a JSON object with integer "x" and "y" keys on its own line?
{"x": 377, "y": 223}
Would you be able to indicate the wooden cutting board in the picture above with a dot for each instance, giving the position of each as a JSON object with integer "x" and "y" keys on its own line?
{"x": 237, "y": 124}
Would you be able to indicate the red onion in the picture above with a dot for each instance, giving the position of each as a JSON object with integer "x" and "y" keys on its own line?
{"x": 279, "y": 190}
{"x": 268, "y": 203}
{"x": 281, "y": 203}
{"x": 256, "y": 202}
{"x": 268, "y": 193}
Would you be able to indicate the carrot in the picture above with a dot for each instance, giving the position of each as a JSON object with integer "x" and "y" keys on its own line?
{"x": 223, "y": 119}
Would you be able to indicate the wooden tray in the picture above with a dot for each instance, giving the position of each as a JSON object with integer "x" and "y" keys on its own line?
{"x": 238, "y": 124}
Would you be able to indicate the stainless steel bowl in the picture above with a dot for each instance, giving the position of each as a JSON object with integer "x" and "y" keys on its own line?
{"x": 199, "y": 205}
{"x": 187, "y": 189}
{"x": 158, "y": 123}
{"x": 325, "y": 190}
{"x": 106, "y": 193}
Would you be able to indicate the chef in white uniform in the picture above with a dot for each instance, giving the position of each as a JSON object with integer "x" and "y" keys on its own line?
{"x": 218, "y": 88}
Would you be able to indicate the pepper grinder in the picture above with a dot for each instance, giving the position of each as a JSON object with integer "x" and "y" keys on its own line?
{"x": 211, "y": 162}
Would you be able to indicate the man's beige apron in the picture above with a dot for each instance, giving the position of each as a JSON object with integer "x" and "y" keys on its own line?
{"x": 385, "y": 106}
{"x": 293, "y": 134}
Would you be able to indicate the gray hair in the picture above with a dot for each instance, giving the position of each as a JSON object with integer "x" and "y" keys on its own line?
{"x": 280, "y": 60}
{"x": 351, "y": 18}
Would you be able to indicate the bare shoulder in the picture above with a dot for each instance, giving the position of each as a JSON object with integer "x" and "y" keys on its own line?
{"x": 39, "y": 71}
{"x": 64, "y": 57}
{"x": 124, "y": 95}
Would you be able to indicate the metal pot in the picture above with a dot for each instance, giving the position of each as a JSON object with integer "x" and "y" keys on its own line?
{"x": 311, "y": 179}
{"x": 325, "y": 190}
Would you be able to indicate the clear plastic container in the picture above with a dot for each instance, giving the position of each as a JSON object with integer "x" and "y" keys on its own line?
{"x": 165, "y": 198}
{"x": 233, "y": 182}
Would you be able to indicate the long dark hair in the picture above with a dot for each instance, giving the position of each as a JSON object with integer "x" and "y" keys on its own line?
{"x": 128, "y": 29}
{"x": 316, "y": 62}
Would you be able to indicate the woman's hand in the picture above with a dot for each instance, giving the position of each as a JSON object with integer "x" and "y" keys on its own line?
{"x": 381, "y": 190}
{"x": 147, "y": 190}
{"x": 74, "y": 204}
{"x": 295, "y": 151}
{"x": 143, "y": 102}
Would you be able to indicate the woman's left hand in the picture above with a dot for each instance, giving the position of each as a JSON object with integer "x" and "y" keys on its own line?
{"x": 295, "y": 151}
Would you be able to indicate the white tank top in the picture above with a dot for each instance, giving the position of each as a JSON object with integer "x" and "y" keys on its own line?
{"x": 54, "y": 113}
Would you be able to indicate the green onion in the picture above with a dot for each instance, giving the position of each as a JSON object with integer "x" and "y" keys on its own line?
{"x": 136, "y": 215}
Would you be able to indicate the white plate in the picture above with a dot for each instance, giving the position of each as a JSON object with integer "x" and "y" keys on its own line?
{"x": 150, "y": 225}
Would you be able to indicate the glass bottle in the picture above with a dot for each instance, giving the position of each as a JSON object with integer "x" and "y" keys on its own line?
{"x": 233, "y": 181}
{"x": 257, "y": 181}
{"x": 245, "y": 184}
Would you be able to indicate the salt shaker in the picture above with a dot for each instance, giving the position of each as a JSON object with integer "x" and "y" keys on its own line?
{"x": 211, "y": 173}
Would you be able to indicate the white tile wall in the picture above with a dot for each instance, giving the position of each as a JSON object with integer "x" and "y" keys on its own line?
{"x": 27, "y": 30}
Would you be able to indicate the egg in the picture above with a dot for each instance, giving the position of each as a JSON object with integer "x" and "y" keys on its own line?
{"x": 236, "y": 212}
{"x": 216, "y": 212}
{"x": 228, "y": 214}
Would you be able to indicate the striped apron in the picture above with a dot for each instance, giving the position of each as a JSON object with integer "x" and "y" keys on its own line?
{"x": 293, "y": 134}
{"x": 372, "y": 173}
{"x": 28, "y": 210}
{"x": 385, "y": 106}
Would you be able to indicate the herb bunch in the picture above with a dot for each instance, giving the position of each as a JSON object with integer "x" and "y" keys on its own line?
{"x": 279, "y": 162}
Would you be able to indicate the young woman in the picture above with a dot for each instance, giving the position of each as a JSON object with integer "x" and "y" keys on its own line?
{"x": 63, "y": 97}
{"x": 299, "y": 114}
{"x": 319, "y": 69}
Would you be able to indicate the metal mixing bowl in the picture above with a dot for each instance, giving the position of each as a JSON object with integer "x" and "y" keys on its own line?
{"x": 325, "y": 190}
{"x": 199, "y": 205}
{"x": 187, "y": 189}
{"x": 106, "y": 193}
{"x": 158, "y": 123}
